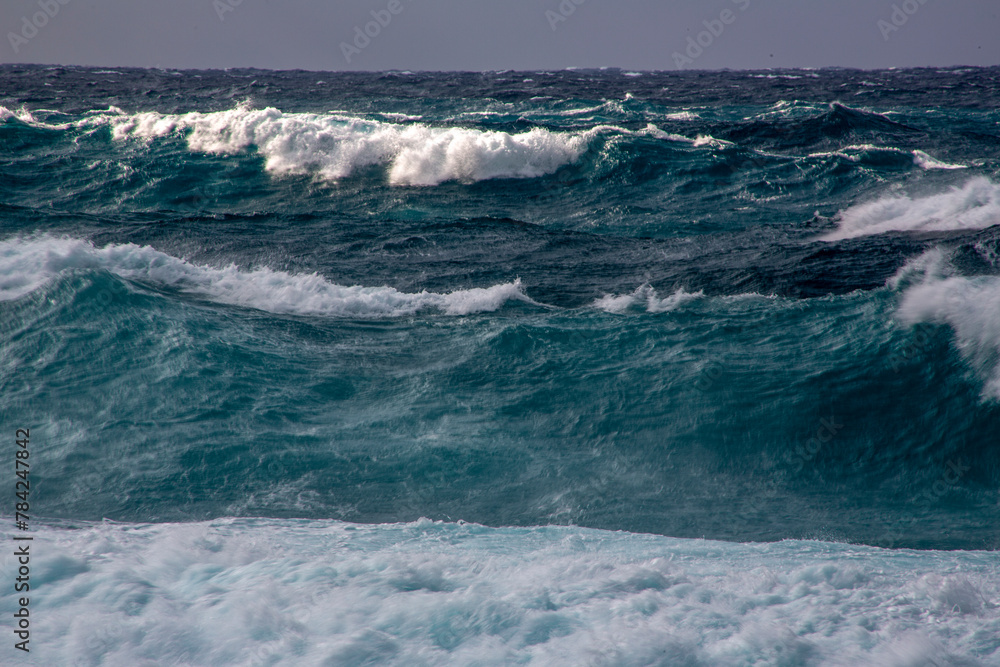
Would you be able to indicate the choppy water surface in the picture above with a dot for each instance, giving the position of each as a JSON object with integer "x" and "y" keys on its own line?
{"x": 246, "y": 308}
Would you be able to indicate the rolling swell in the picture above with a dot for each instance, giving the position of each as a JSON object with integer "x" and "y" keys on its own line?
{"x": 637, "y": 179}
{"x": 635, "y": 303}
{"x": 486, "y": 419}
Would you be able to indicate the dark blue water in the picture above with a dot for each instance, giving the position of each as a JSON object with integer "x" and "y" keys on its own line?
{"x": 267, "y": 321}
{"x": 179, "y": 250}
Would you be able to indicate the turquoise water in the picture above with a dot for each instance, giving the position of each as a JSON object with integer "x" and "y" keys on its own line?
{"x": 686, "y": 314}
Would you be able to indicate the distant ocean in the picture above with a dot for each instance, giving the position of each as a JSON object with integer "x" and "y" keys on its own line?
{"x": 514, "y": 368}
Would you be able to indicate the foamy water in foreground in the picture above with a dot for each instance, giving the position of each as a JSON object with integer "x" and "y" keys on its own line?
{"x": 255, "y": 592}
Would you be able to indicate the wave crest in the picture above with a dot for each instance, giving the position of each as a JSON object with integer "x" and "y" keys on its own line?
{"x": 335, "y": 146}
{"x": 646, "y": 296}
{"x": 970, "y": 306}
{"x": 975, "y": 205}
{"x": 27, "y": 264}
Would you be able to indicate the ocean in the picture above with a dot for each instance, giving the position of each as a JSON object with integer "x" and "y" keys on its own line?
{"x": 584, "y": 367}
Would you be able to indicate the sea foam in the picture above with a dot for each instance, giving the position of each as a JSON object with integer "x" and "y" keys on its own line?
{"x": 925, "y": 161}
{"x": 27, "y": 264}
{"x": 932, "y": 292}
{"x": 334, "y": 146}
{"x": 257, "y": 591}
{"x": 647, "y": 297}
{"x": 975, "y": 205}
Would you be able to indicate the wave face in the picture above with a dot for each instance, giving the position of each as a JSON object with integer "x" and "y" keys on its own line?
{"x": 602, "y": 316}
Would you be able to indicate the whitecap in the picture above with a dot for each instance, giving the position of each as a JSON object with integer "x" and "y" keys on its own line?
{"x": 925, "y": 161}
{"x": 334, "y": 146}
{"x": 682, "y": 116}
{"x": 854, "y": 152}
{"x": 933, "y": 292}
{"x": 646, "y": 296}
{"x": 27, "y": 264}
{"x": 975, "y": 205}
{"x": 708, "y": 140}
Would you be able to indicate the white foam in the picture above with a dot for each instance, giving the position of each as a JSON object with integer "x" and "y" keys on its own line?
{"x": 853, "y": 152}
{"x": 778, "y": 76}
{"x": 655, "y": 132}
{"x": 975, "y": 205}
{"x": 400, "y": 117}
{"x": 708, "y": 140}
{"x": 24, "y": 115}
{"x": 682, "y": 116}
{"x": 933, "y": 264}
{"x": 925, "y": 161}
{"x": 700, "y": 141}
{"x": 43, "y": 118}
{"x": 27, "y": 264}
{"x": 785, "y": 108}
{"x": 586, "y": 111}
{"x": 306, "y": 593}
{"x": 334, "y": 146}
{"x": 971, "y": 307}
{"x": 933, "y": 292}
{"x": 646, "y": 296}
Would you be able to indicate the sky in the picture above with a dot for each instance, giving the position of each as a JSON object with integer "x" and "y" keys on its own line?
{"x": 479, "y": 35}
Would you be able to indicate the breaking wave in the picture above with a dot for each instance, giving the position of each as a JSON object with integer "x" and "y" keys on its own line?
{"x": 335, "y": 146}
{"x": 27, "y": 264}
{"x": 975, "y": 205}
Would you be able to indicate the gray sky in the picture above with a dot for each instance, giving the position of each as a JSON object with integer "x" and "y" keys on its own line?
{"x": 492, "y": 35}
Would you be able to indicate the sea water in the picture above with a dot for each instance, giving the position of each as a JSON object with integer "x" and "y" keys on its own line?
{"x": 545, "y": 368}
